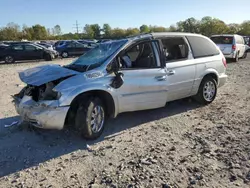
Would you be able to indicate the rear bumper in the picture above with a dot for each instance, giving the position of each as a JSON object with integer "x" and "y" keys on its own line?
{"x": 230, "y": 56}
{"x": 41, "y": 116}
{"x": 222, "y": 80}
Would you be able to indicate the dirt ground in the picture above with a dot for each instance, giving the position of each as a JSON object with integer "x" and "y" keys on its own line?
{"x": 181, "y": 145}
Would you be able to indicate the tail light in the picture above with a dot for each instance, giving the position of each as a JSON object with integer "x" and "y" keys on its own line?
{"x": 234, "y": 47}
{"x": 224, "y": 61}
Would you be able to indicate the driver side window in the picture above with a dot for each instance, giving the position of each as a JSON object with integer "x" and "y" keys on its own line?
{"x": 139, "y": 56}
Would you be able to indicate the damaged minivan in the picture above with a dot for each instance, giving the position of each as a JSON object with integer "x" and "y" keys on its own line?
{"x": 136, "y": 73}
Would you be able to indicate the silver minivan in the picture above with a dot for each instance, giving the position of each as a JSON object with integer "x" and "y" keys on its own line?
{"x": 136, "y": 73}
{"x": 232, "y": 46}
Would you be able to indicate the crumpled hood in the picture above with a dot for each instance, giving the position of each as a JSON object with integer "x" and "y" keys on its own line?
{"x": 43, "y": 74}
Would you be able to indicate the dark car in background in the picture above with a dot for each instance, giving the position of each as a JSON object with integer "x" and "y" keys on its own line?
{"x": 24, "y": 51}
{"x": 72, "y": 48}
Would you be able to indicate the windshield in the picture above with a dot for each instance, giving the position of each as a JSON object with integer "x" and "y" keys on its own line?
{"x": 100, "y": 53}
{"x": 222, "y": 40}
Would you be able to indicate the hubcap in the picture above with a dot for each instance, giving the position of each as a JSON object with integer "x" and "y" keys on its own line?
{"x": 97, "y": 119}
{"x": 209, "y": 91}
{"x": 9, "y": 59}
{"x": 65, "y": 54}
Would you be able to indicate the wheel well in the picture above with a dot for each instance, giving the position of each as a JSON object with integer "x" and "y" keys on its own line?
{"x": 213, "y": 75}
{"x": 106, "y": 98}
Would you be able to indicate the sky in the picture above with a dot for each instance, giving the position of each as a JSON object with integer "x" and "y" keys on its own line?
{"x": 118, "y": 13}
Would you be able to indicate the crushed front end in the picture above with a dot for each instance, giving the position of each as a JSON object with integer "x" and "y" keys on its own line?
{"x": 39, "y": 106}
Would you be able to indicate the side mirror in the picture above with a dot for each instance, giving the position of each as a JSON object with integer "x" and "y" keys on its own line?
{"x": 117, "y": 81}
{"x": 113, "y": 67}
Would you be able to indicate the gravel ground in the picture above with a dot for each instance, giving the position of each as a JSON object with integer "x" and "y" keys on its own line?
{"x": 181, "y": 145}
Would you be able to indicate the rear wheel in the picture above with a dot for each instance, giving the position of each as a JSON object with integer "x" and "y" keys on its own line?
{"x": 207, "y": 90}
{"x": 48, "y": 57}
{"x": 90, "y": 118}
{"x": 236, "y": 59}
{"x": 9, "y": 59}
{"x": 244, "y": 56}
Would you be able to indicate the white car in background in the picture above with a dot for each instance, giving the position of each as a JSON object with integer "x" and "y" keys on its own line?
{"x": 232, "y": 46}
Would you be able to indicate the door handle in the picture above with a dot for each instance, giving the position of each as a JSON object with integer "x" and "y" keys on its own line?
{"x": 161, "y": 78}
{"x": 170, "y": 72}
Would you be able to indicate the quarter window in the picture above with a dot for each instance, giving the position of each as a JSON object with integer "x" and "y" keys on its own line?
{"x": 202, "y": 47}
{"x": 30, "y": 48}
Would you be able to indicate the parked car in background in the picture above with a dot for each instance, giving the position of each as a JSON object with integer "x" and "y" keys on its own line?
{"x": 91, "y": 44}
{"x": 46, "y": 45}
{"x": 247, "y": 42}
{"x": 24, "y": 51}
{"x": 72, "y": 48}
{"x": 139, "y": 73}
{"x": 232, "y": 46}
{"x": 54, "y": 53}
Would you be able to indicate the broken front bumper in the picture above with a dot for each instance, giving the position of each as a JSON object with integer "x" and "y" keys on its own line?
{"x": 46, "y": 115}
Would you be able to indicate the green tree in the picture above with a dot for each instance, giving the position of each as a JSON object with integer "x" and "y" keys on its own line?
{"x": 132, "y": 31}
{"x": 88, "y": 30}
{"x": 245, "y": 28}
{"x": 157, "y": 29}
{"x": 11, "y": 32}
{"x": 118, "y": 33}
{"x": 39, "y": 32}
{"x": 233, "y": 28}
{"x": 107, "y": 30}
{"x": 144, "y": 29}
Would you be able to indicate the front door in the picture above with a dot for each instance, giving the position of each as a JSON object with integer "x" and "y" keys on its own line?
{"x": 32, "y": 52}
{"x": 145, "y": 82}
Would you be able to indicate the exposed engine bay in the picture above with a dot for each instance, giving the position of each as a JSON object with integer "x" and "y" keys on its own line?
{"x": 42, "y": 92}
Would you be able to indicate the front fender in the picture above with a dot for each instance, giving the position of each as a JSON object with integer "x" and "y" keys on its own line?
{"x": 69, "y": 95}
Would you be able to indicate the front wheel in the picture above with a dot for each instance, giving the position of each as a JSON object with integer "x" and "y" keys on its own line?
{"x": 90, "y": 118}
{"x": 207, "y": 91}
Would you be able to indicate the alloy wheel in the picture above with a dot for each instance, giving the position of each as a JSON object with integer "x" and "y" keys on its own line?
{"x": 209, "y": 91}
{"x": 97, "y": 119}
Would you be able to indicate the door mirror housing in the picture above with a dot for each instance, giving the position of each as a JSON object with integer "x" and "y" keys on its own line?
{"x": 113, "y": 67}
{"x": 117, "y": 81}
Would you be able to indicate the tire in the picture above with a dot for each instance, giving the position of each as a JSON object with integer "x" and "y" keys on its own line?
{"x": 236, "y": 59}
{"x": 9, "y": 59}
{"x": 203, "y": 96}
{"x": 244, "y": 56}
{"x": 48, "y": 57}
{"x": 87, "y": 114}
{"x": 65, "y": 54}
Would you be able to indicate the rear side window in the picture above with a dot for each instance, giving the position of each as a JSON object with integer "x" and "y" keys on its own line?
{"x": 202, "y": 47}
{"x": 222, "y": 40}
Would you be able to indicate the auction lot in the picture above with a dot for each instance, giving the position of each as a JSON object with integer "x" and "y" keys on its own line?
{"x": 181, "y": 145}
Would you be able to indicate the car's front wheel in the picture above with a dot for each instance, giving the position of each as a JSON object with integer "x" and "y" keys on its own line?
{"x": 207, "y": 90}
{"x": 90, "y": 118}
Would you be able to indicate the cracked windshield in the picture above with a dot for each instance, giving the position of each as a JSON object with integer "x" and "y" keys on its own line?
{"x": 124, "y": 94}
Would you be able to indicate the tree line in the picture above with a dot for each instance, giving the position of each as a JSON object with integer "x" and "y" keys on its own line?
{"x": 207, "y": 26}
